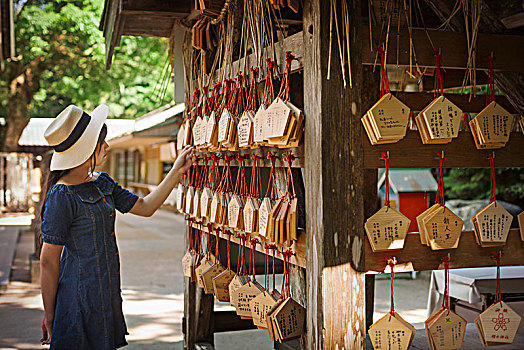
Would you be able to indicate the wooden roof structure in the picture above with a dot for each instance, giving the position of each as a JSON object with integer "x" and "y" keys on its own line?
{"x": 139, "y": 18}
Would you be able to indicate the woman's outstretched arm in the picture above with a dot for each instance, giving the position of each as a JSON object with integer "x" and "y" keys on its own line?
{"x": 49, "y": 273}
{"x": 149, "y": 204}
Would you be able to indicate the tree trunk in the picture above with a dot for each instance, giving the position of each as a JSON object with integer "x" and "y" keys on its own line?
{"x": 21, "y": 91}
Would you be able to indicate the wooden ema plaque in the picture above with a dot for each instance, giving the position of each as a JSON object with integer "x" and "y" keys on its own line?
{"x": 221, "y": 284}
{"x": 391, "y": 333}
{"x": 280, "y": 115}
{"x": 291, "y": 221}
{"x": 445, "y": 330}
{"x": 286, "y": 320}
{"x": 293, "y": 129}
{"x": 196, "y": 205}
{"x": 442, "y": 119}
{"x": 187, "y": 261}
{"x": 492, "y": 224}
{"x": 189, "y": 200}
{"x": 212, "y": 132}
{"x": 205, "y": 202}
{"x": 237, "y": 282}
{"x": 260, "y": 306}
{"x": 387, "y": 120}
{"x": 197, "y": 258}
{"x": 235, "y": 218}
{"x": 196, "y": 131}
{"x": 263, "y": 216}
{"x": 498, "y": 324}
{"x": 231, "y": 141}
{"x": 245, "y": 129}
{"x": 251, "y": 215}
{"x": 272, "y": 221}
{"x": 224, "y": 205}
{"x": 442, "y": 228}
{"x": 180, "y": 137}
{"x": 491, "y": 128}
{"x": 187, "y": 134}
{"x": 205, "y": 263}
{"x": 258, "y": 126}
{"x": 280, "y": 231}
{"x": 387, "y": 229}
{"x": 180, "y": 198}
{"x": 223, "y": 126}
{"x": 216, "y": 209}
{"x": 243, "y": 297}
{"x": 521, "y": 225}
{"x": 209, "y": 274}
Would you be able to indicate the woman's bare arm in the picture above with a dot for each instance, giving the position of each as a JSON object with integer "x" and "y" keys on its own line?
{"x": 49, "y": 273}
{"x": 149, "y": 204}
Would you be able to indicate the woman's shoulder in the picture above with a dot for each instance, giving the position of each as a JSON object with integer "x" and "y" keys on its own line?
{"x": 105, "y": 182}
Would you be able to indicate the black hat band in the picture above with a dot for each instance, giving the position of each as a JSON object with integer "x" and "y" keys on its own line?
{"x": 75, "y": 134}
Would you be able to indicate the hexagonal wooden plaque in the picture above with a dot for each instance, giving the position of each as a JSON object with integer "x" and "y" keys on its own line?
{"x": 223, "y": 126}
{"x": 209, "y": 274}
{"x": 498, "y": 324}
{"x": 258, "y": 125}
{"x": 289, "y": 320}
{"x": 260, "y": 306}
{"x": 243, "y": 297}
{"x": 443, "y": 229}
{"x": 212, "y": 130}
{"x": 180, "y": 197}
{"x": 245, "y": 129}
{"x": 263, "y": 216}
{"x": 237, "y": 282}
{"x": 279, "y": 114}
{"x": 221, "y": 284}
{"x": 389, "y": 117}
{"x": 492, "y": 223}
{"x": 234, "y": 212}
{"x": 391, "y": 333}
{"x": 445, "y": 330}
{"x": 442, "y": 118}
{"x": 494, "y": 123}
{"x": 387, "y": 229}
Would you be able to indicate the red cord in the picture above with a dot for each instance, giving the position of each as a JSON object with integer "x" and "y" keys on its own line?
{"x": 498, "y": 291}
{"x": 445, "y": 302}
{"x": 490, "y": 94}
{"x": 384, "y": 83}
{"x": 284, "y": 86}
{"x": 271, "y": 183}
{"x": 439, "y": 199}
{"x": 385, "y": 157}
{"x": 269, "y": 90}
{"x": 392, "y": 263}
{"x": 439, "y": 79}
{"x": 289, "y": 159}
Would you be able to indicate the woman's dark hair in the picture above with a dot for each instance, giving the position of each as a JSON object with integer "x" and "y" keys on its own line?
{"x": 52, "y": 177}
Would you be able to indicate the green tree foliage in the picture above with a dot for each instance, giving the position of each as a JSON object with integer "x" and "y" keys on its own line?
{"x": 60, "y": 59}
{"x": 475, "y": 184}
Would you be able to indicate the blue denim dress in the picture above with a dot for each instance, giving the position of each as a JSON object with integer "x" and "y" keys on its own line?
{"x": 88, "y": 311}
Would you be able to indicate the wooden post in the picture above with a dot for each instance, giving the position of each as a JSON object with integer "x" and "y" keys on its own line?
{"x": 335, "y": 181}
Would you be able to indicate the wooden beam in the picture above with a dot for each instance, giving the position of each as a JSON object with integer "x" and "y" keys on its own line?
{"x": 453, "y": 78}
{"x": 158, "y": 6}
{"x": 454, "y": 49}
{"x": 228, "y": 321}
{"x": 334, "y": 180}
{"x": 461, "y": 153}
{"x": 468, "y": 254}
{"x": 417, "y": 101}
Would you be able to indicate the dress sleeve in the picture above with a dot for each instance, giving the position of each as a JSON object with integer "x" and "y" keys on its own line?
{"x": 124, "y": 200}
{"x": 58, "y": 218}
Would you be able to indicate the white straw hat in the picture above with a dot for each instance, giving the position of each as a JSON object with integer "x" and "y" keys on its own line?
{"x": 74, "y": 136}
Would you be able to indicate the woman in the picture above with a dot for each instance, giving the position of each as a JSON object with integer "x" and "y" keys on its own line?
{"x": 79, "y": 263}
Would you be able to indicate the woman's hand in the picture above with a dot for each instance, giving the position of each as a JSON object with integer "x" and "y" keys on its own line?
{"x": 185, "y": 159}
{"x": 47, "y": 330}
